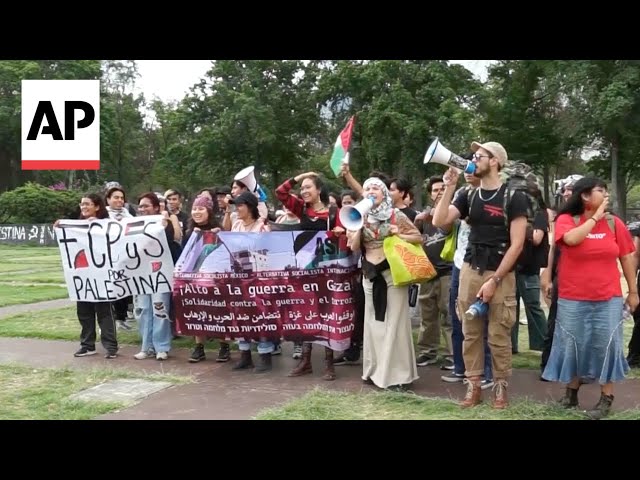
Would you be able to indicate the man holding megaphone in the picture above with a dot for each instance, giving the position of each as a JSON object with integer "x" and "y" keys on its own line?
{"x": 487, "y": 273}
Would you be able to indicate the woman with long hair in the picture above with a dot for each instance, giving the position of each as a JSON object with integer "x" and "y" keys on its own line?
{"x": 212, "y": 193}
{"x": 389, "y": 359}
{"x": 587, "y": 343}
{"x": 92, "y": 207}
{"x": 203, "y": 222}
{"x": 312, "y": 208}
{"x": 154, "y": 322}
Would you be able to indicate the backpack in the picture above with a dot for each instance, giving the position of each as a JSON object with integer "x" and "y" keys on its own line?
{"x": 520, "y": 177}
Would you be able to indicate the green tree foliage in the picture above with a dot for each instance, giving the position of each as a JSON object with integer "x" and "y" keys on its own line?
{"x": 34, "y": 203}
{"x": 604, "y": 101}
{"x": 400, "y": 106}
{"x": 243, "y": 113}
{"x": 12, "y": 72}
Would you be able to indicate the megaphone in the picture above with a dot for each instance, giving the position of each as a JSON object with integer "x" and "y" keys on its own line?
{"x": 352, "y": 216}
{"x": 438, "y": 153}
{"x": 247, "y": 177}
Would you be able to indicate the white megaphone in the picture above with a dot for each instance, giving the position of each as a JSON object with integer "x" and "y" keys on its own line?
{"x": 247, "y": 177}
{"x": 438, "y": 153}
{"x": 352, "y": 216}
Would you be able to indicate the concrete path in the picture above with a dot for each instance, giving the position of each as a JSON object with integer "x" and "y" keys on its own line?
{"x": 221, "y": 393}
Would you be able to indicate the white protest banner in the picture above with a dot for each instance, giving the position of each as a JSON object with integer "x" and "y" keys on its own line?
{"x": 105, "y": 260}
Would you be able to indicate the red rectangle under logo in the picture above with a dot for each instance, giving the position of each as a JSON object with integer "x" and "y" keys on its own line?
{"x": 60, "y": 164}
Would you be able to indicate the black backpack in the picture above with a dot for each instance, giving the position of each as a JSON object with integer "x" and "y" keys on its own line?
{"x": 518, "y": 176}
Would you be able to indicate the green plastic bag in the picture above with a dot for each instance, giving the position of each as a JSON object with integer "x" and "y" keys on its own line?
{"x": 449, "y": 249}
{"x": 409, "y": 264}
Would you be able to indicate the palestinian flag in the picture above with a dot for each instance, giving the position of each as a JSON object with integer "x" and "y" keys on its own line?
{"x": 341, "y": 147}
{"x": 134, "y": 228}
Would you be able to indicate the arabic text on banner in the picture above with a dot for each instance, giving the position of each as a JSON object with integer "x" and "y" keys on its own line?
{"x": 292, "y": 285}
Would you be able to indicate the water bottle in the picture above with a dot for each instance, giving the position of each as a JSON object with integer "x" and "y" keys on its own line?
{"x": 478, "y": 309}
{"x": 627, "y": 316}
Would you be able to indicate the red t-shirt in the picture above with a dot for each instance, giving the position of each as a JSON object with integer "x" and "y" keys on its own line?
{"x": 589, "y": 270}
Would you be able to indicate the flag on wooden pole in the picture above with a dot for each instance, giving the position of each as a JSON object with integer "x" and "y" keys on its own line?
{"x": 341, "y": 148}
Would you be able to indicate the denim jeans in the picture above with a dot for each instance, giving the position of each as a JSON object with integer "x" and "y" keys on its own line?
{"x": 154, "y": 323}
{"x": 264, "y": 345}
{"x": 457, "y": 337}
{"x": 528, "y": 288}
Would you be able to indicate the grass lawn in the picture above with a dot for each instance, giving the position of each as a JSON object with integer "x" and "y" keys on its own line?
{"x": 21, "y": 267}
{"x": 10, "y": 268}
{"x": 9, "y": 250}
{"x": 62, "y": 324}
{"x": 330, "y": 405}
{"x": 20, "y": 294}
{"x": 44, "y": 275}
{"x": 43, "y": 394}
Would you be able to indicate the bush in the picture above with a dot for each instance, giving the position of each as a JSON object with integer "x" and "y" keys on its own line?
{"x": 633, "y": 197}
{"x": 35, "y": 203}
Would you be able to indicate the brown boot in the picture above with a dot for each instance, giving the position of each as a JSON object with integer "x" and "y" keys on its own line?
{"x": 304, "y": 367}
{"x": 602, "y": 408}
{"x": 500, "y": 400}
{"x": 474, "y": 393}
{"x": 265, "y": 363}
{"x": 245, "y": 361}
{"x": 570, "y": 399}
{"x": 329, "y": 368}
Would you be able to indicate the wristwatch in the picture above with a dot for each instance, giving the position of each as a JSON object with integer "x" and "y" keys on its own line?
{"x": 497, "y": 280}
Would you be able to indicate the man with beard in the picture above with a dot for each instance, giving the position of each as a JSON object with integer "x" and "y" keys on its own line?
{"x": 497, "y": 236}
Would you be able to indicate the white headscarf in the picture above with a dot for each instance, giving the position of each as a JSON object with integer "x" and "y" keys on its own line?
{"x": 382, "y": 212}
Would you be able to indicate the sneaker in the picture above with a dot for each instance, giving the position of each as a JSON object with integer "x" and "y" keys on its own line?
{"x": 297, "y": 351}
{"x": 424, "y": 360}
{"x": 277, "y": 350}
{"x": 122, "y": 325}
{"x": 224, "y": 354}
{"x": 343, "y": 359}
{"x": 141, "y": 355}
{"x": 349, "y": 357}
{"x": 197, "y": 354}
{"x": 447, "y": 364}
{"x": 484, "y": 384}
{"x": 110, "y": 355}
{"x": 84, "y": 352}
{"x": 452, "y": 377}
{"x": 162, "y": 356}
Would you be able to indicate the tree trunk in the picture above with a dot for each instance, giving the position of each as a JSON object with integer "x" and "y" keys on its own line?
{"x": 614, "y": 191}
{"x": 622, "y": 195}
{"x": 5, "y": 163}
{"x": 417, "y": 190}
{"x": 545, "y": 180}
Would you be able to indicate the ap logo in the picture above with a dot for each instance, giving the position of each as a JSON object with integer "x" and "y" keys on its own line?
{"x": 60, "y": 124}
